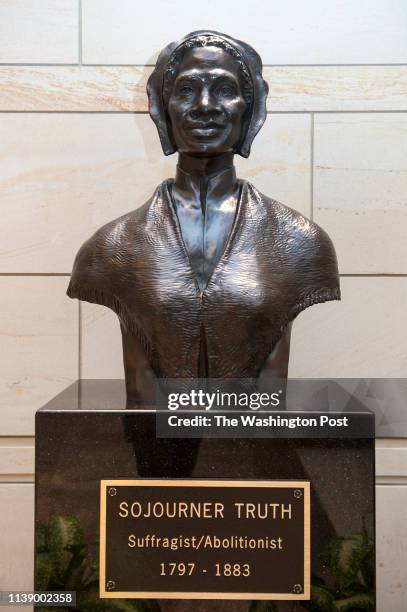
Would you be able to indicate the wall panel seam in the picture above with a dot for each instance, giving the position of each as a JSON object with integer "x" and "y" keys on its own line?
{"x": 312, "y": 137}
{"x": 41, "y": 274}
{"x": 80, "y": 32}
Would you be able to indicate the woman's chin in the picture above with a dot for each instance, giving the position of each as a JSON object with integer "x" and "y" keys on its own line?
{"x": 205, "y": 149}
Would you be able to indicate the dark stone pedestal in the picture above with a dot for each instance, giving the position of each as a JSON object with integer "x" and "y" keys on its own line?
{"x": 86, "y": 434}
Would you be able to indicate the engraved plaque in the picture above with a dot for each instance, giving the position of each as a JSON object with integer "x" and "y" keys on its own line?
{"x": 205, "y": 539}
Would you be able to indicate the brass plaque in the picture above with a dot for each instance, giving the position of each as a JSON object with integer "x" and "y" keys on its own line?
{"x": 205, "y": 539}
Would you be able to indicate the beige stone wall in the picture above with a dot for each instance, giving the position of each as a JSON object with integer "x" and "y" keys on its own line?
{"x": 77, "y": 149}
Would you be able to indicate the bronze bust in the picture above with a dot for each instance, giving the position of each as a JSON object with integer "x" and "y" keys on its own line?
{"x": 207, "y": 276}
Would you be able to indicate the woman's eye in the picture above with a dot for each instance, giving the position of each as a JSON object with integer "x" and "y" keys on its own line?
{"x": 186, "y": 90}
{"x": 226, "y": 91}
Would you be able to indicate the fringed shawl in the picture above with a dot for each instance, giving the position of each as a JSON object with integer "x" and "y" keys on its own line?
{"x": 276, "y": 263}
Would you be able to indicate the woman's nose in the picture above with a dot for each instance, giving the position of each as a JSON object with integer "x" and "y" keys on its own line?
{"x": 205, "y": 102}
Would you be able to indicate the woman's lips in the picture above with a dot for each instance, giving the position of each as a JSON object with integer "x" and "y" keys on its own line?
{"x": 209, "y": 130}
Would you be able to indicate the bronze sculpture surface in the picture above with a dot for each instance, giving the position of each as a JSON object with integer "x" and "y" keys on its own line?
{"x": 207, "y": 276}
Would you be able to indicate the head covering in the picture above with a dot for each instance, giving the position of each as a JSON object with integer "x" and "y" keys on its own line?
{"x": 251, "y": 61}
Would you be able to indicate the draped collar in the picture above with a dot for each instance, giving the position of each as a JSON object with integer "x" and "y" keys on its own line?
{"x": 217, "y": 191}
{"x": 217, "y": 186}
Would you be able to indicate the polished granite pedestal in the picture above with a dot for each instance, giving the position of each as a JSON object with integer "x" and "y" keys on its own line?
{"x": 87, "y": 434}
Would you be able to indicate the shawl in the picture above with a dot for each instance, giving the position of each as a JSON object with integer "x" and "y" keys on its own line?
{"x": 275, "y": 264}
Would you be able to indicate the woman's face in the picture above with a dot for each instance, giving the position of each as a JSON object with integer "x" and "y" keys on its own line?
{"x": 206, "y": 105}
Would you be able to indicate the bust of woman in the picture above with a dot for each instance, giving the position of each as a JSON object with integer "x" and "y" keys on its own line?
{"x": 207, "y": 276}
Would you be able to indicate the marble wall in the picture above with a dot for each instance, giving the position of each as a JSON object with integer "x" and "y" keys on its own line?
{"x": 77, "y": 149}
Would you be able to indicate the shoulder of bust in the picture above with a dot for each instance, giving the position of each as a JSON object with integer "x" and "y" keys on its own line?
{"x": 305, "y": 253}
{"x": 306, "y": 236}
{"x": 113, "y": 236}
{"x": 117, "y": 231}
{"x": 111, "y": 248}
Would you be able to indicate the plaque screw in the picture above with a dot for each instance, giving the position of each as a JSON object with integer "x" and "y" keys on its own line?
{"x": 297, "y": 588}
{"x": 112, "y": 491}
{"x": 297, "y": 495}
{"x": 110, "y": 585}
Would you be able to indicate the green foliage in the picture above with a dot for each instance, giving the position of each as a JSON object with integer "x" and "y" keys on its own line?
{"x": 64, "y": 564}
{"x": 351, "y": 565}
{"x": 348, "y": 556}
{"x": 63, "y": 532}
{"x": 350, "y": 562}
{"x": 322, "y": 600}
{"x": 359, "y": 603}
{"x": 44, "y": 570}
{"x": 367, "y": 568}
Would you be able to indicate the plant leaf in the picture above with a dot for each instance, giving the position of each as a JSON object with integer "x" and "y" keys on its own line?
{"x": 41, "y": 542}
{"x": 44, "y": 569}
{"x": 64, "y": 532}
{"x": 74, "y": 578}
{"x": 354, "y": 588}
{"x": 88, "y": 600}
{"x": 346, "y": 558}
{"x": 368, "y": 566}
{"x": 61, "y": 560}
{"x": 356, "y": 603}
{"x": 321, "y": 599}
